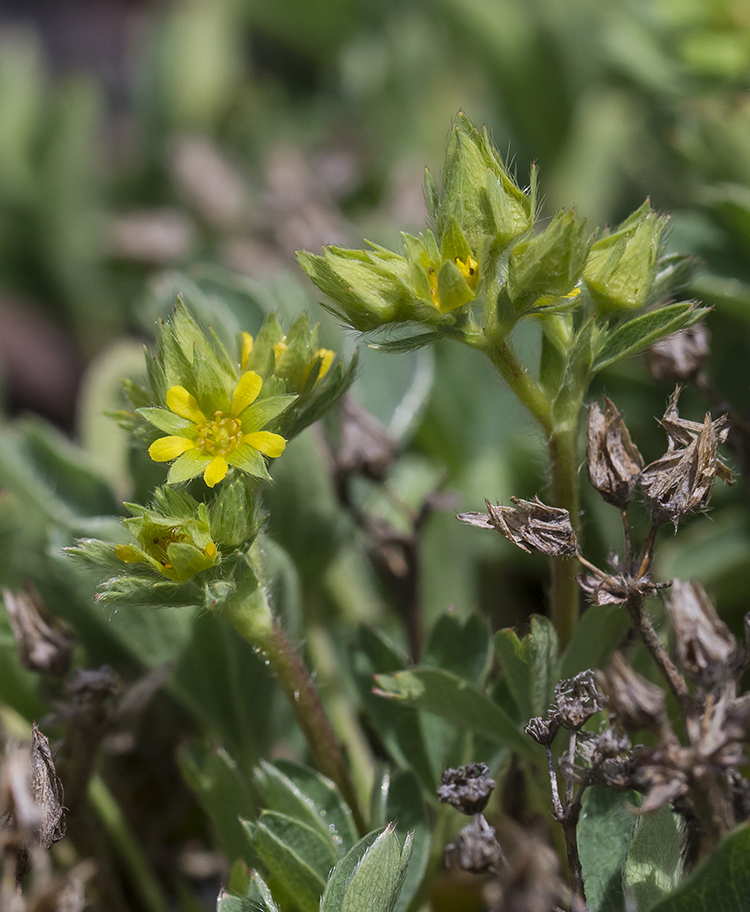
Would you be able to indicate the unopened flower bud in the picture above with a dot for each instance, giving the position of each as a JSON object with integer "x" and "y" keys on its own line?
{"x": 613, "y": 460}
{"x": 635, "y": 701}
{"x": 530, "y": 524}
{"x": 551, "y": 262}
{"x": 704, "y": 647}
{"x": 680, "y": 356}
{"x": 467, "y": 788}
{"x": 622, "y": 266}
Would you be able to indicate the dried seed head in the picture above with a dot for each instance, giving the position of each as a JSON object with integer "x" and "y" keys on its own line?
{"x": 577, "y": 700}
{"x": 681, "y": 481}
{"x": 616, "y": 589}
{"x": 635, "y": 701}
{"x": 44, "y": 643}
{"x": 543, "y": 731}
{"x": 681, "y": 355}
{"x": 530, "y": 524}
{"x": 704, "y": 647}
{"x": 613, "y": 460}
{"x": 476, "y": 848}
{"x": 47, "y": 790}
{"x": 467, "y": 788}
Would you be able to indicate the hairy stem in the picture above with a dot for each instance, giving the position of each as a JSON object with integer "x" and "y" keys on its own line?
{"x": 565, "y": 595}
{"x": 261, "y": 630}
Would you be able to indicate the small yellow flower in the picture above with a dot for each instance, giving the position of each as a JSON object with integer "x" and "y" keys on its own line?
{"x": 232, "y": 435}
{"x": 469, "y": 269}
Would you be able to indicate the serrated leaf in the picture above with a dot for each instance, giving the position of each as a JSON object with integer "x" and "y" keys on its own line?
{"x": 451, "y": 698}
{"x": 604, "y": 833}
{"x": 308, "y": 796}
{"x": 722, "y": 882}
{"x": 335, "y": 890}
{"x": 635, "y": 335}
{"x": 654, "y": 863}
{"x": 406, "y": 807}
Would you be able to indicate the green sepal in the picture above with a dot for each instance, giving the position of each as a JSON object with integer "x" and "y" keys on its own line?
{"x": 453, "y": 243}
{"x": 622, "y": 266}
{"x": 453, "y": 289}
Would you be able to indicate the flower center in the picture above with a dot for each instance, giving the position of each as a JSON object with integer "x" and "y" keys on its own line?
{"x": 220, "y": 436}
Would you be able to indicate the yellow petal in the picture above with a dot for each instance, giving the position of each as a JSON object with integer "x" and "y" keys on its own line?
{"x": 183, "y": 404}
{"x": 247, "y": 349}
{"x": 246, "y": 392}
{"x": 166, "y": 448}
{"x": 215, "y": 471}
{"x": 278, "y": 350}
{"x": 129, "y": 554}
{"x": 326, "y": 359}
{"x": 269, "y": 444}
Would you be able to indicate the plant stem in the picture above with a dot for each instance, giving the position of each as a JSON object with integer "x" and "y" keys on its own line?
{"x": 128, "y": 849}
{"x": 565, "y": 596}
{"x": 642, "y": 623}
{"x": 262, "y": 631}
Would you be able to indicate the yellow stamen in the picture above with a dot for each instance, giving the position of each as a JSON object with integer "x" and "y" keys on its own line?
{"x": 219, "y": 437}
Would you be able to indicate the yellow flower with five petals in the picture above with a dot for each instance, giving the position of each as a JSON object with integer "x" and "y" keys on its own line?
{"x": 207, "y": 441}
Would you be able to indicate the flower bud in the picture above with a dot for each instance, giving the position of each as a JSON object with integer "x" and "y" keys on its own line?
{"x": 613, "y": 460}
{"x": 479, "y": 193}
{"x": 551, "y": 262}
{"x": 622, "y": 265}
{"x": 530, "y": 524}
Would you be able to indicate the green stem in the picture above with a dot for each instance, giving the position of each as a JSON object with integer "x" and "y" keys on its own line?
{"x": 129, "y": 851}
{"x": 565, "y": 596}
{"x": 258, "y": 627}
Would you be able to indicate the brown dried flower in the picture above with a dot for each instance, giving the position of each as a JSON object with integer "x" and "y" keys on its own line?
{"x": 635, "y": 701}
{"x": 467, "y": 788}
{"x": 476, "y": 848}
{"x": 44, "y": 643}
{"x": 681, "y": 481}
{"x": 530, "y": 524}
{"x": 704, "y": 647}
{"x": 577, "y": 700}
{"x": 681, "y": 355}
{"x": 543, "y": 731}
{"x": 613, "y": 460}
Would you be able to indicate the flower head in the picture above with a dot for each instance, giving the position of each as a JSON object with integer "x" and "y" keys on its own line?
{"x": 209, "y": 435}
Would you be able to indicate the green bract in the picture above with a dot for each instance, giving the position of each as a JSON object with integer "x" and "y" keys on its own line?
{"x": 550, "y": 263}
{"x": 622, "y": 266}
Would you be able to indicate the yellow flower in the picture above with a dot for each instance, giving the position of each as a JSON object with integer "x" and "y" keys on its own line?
{"x": 232, "y": 435}
{"x": 469, "y": 269}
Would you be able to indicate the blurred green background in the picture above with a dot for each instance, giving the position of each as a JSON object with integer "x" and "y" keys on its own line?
{"x": 150, "y": 148}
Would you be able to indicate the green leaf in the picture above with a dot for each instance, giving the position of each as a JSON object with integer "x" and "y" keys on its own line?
{"x": 406, "y": 806}
{"x": 297, "y": 856}
{"x": 377, "y": 880}
{"x": 599, "y": 631}
{"x": 399, "y": 725}
{"x": 653, "y": 867}
{"x": 637, "y": 334}
{"x": 530, "y": 665}
{"x": 217, "y": 782}
{"x": 406, "y": 344}
{"x": 460, "y": 646}
{"x": 451, "y": 698}
{"x": 341, "y": 875}
{"x": 722, "y": 882}
{"x": 309, "y": 797}
{"x": 604, "y": 833}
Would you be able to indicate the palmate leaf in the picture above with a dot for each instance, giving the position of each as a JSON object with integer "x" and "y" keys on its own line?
{"x": 635, "y": 335}
{"x": 530, "y": 665}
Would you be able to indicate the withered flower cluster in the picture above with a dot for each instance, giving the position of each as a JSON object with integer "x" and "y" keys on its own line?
{"x": 468, "y": 789}
{"x": 530, "y": 524}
